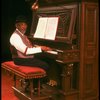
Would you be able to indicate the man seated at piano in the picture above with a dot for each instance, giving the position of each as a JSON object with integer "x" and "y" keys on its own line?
{"x": 23, "y": 52}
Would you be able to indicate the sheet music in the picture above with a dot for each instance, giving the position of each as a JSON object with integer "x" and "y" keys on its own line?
{"x": 40, "y": 30}
{"x": 46, "y": 28}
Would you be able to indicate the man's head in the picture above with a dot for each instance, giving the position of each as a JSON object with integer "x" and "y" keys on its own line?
{"x": 21, "y": 23}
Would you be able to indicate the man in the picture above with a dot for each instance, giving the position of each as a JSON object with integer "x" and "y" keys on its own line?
{"x": 23, "y": 52}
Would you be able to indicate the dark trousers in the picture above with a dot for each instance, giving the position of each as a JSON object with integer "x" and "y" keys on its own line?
{"x": 49, "y": 65}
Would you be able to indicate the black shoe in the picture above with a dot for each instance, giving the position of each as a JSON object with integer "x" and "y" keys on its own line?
{"x": 47, "y": 86}
{"x": 49, "y": 89}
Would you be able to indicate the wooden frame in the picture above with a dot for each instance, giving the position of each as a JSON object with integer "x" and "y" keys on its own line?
{"x": 67, "y": 18}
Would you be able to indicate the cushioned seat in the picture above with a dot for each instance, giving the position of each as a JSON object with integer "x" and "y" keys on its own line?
{"x": 25, "y": 72}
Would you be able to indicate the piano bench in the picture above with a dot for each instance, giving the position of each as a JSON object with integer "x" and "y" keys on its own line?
{"x": 25, "y": 72}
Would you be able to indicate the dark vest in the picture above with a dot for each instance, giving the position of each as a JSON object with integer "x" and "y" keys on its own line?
{"x": 16, "y": 53}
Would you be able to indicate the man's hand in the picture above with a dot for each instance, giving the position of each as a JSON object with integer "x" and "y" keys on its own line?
{"x": 44, "y": 48}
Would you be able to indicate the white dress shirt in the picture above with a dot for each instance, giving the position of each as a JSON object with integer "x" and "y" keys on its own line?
{"x": 17, "y": 42}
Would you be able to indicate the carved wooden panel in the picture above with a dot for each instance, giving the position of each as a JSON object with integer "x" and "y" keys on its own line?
{"x": 89, "y": 52}
{"x": 66, "y": 24}
{"x": 90, "y": 78}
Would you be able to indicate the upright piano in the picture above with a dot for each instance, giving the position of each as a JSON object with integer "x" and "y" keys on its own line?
{"x": 75, "y": 47}
{"x": 65, "y": 47}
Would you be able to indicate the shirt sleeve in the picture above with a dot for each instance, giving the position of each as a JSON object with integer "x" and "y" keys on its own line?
{"x": 17, "y": 42}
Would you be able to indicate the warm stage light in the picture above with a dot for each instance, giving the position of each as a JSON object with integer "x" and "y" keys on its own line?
{"x": 35, "y": 5}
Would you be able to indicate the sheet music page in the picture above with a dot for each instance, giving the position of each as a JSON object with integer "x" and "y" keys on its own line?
{"x": 41, "y": 26}
{"x": 46, "y": 28}
{"x": 50, "y": 32}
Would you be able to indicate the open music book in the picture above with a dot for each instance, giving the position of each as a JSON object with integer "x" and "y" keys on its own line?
{"x": 46, "y": 28}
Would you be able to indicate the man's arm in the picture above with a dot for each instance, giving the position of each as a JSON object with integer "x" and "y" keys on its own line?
{"x": 17, "y": 42}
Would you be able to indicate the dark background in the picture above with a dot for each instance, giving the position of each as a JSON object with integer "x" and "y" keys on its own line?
{"x": 9, "y": 10}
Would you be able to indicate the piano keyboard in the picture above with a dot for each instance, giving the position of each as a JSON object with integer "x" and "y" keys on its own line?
{"x": 52, "y": 52}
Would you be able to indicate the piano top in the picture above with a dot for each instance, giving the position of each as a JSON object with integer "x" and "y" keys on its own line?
{"x": 67, "y": 21}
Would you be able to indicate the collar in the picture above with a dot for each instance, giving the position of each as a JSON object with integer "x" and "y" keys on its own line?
{"x": 19, "y": 32}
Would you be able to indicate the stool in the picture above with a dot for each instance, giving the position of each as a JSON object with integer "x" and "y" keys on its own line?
{"x": 25, "y": 72}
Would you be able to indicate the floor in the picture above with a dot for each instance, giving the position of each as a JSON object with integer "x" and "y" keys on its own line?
{"x": 6, "y": 87}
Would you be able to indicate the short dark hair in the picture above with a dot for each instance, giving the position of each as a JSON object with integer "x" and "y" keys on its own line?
{"x": 21, "y": 18}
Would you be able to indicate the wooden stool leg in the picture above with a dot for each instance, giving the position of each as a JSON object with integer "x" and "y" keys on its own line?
{"x": 38, "y": 87}
{"x": 31, "y": 88}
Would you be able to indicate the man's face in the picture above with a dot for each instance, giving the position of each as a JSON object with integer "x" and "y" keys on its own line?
{"x": 22, "y": 26}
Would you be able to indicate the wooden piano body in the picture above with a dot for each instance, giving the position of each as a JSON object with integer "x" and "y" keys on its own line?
{"x": 77, "y": 47}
